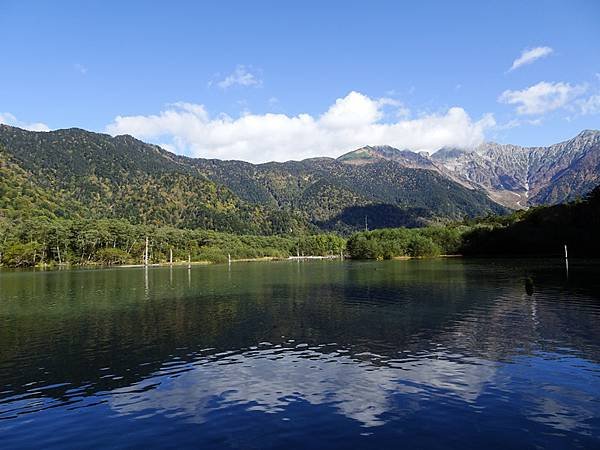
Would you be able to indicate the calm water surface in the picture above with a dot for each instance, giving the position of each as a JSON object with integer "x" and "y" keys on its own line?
{"x": 421, "y": 354}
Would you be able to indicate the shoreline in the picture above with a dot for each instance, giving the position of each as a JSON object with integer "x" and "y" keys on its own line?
{"x": 168, "y": 264}
{"x": 274, "y": 258}
{"x": 406, "y": 258}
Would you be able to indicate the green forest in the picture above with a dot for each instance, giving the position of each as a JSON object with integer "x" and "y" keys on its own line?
{"x": 42, "y": 240}
{"x": 72, "y": 197}
{"x": 540, "y": 231}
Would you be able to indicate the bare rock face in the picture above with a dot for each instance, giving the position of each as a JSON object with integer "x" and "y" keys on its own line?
{"x": 565, "y": 171}
{"x": 527, "y": 176}
{"x": 513, "y": 176}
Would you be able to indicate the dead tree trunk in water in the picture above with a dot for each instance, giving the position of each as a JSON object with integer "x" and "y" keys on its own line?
{"x": 146, "y": 253}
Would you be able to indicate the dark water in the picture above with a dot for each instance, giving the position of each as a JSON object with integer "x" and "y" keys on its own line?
{"x": 416, "y": 354}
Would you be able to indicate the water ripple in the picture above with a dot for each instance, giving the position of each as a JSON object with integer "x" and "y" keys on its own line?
{"x": 361, "y": 357}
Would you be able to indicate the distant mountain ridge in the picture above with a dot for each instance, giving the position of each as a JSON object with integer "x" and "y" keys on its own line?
{"x": 77, "y": 173}
{"x": 337, "y": 196}
{"x": 74, "y": 172}
{"x": 93, "y": 175}
{"x": 407, "y": 158}
{"x": 514, "y": 176}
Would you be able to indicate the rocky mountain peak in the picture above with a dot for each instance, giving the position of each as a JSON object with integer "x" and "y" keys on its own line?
{"x": 512, "y": 175}
{"x": 376, "y": 153}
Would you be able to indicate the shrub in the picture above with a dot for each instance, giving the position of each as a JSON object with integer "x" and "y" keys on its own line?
{"x": 110, "y": 256}
{"x": 211, "y": 254}
{"x": 22, "y": 255}
{"x": 423, "y": 246}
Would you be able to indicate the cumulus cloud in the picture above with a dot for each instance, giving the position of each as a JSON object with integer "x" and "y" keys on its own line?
{"x": 530, "y": 55}
{"x": 352, "y": 121}
{"x": 590, "y": 105}
{"x": 9, "y": 119}
{"x": 241, "y": 76}
{"x": 542, "y": 97}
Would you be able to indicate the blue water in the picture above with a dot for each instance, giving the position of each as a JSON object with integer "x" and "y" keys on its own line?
{"x": 446, "y": 353}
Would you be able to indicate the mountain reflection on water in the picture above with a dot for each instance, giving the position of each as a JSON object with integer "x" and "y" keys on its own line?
{"x": 440, "y": 353}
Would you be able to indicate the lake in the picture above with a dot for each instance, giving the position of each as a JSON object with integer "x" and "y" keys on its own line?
{"x": 439, "y": 353}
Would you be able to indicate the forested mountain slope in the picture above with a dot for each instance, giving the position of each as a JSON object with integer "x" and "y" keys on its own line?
{"x": 123, "y": 177}
{"x": 96, "y": 175}
{"x": 337, "y": 195}
{"x": 543, "y": 230}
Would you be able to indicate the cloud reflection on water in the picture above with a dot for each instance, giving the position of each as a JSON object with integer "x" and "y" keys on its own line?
{"x": 270, "y": 379}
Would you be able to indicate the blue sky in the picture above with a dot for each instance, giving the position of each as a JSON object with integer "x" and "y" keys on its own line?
{"x": 285, "y": 80}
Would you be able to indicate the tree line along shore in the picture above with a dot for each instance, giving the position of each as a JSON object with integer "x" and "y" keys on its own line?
{"x": 46, "y": 241}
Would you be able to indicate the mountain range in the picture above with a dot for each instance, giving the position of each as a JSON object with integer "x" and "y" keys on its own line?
{"x": 517, "y": 177}
{"x": 77, "y": 173}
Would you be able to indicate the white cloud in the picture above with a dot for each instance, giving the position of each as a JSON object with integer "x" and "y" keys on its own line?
{"x": 515, "y": 123}
{"x": 241, "y": 76}
{"x": 9, "y": 119}
{"x": 402, "y": 112}
{"x": 590, "y": 105}
{"x": 542, "y": 97}
{"x": 530, "y": 55}
{"x": 354, "y": 110}
{"x": 352, "y": 121}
